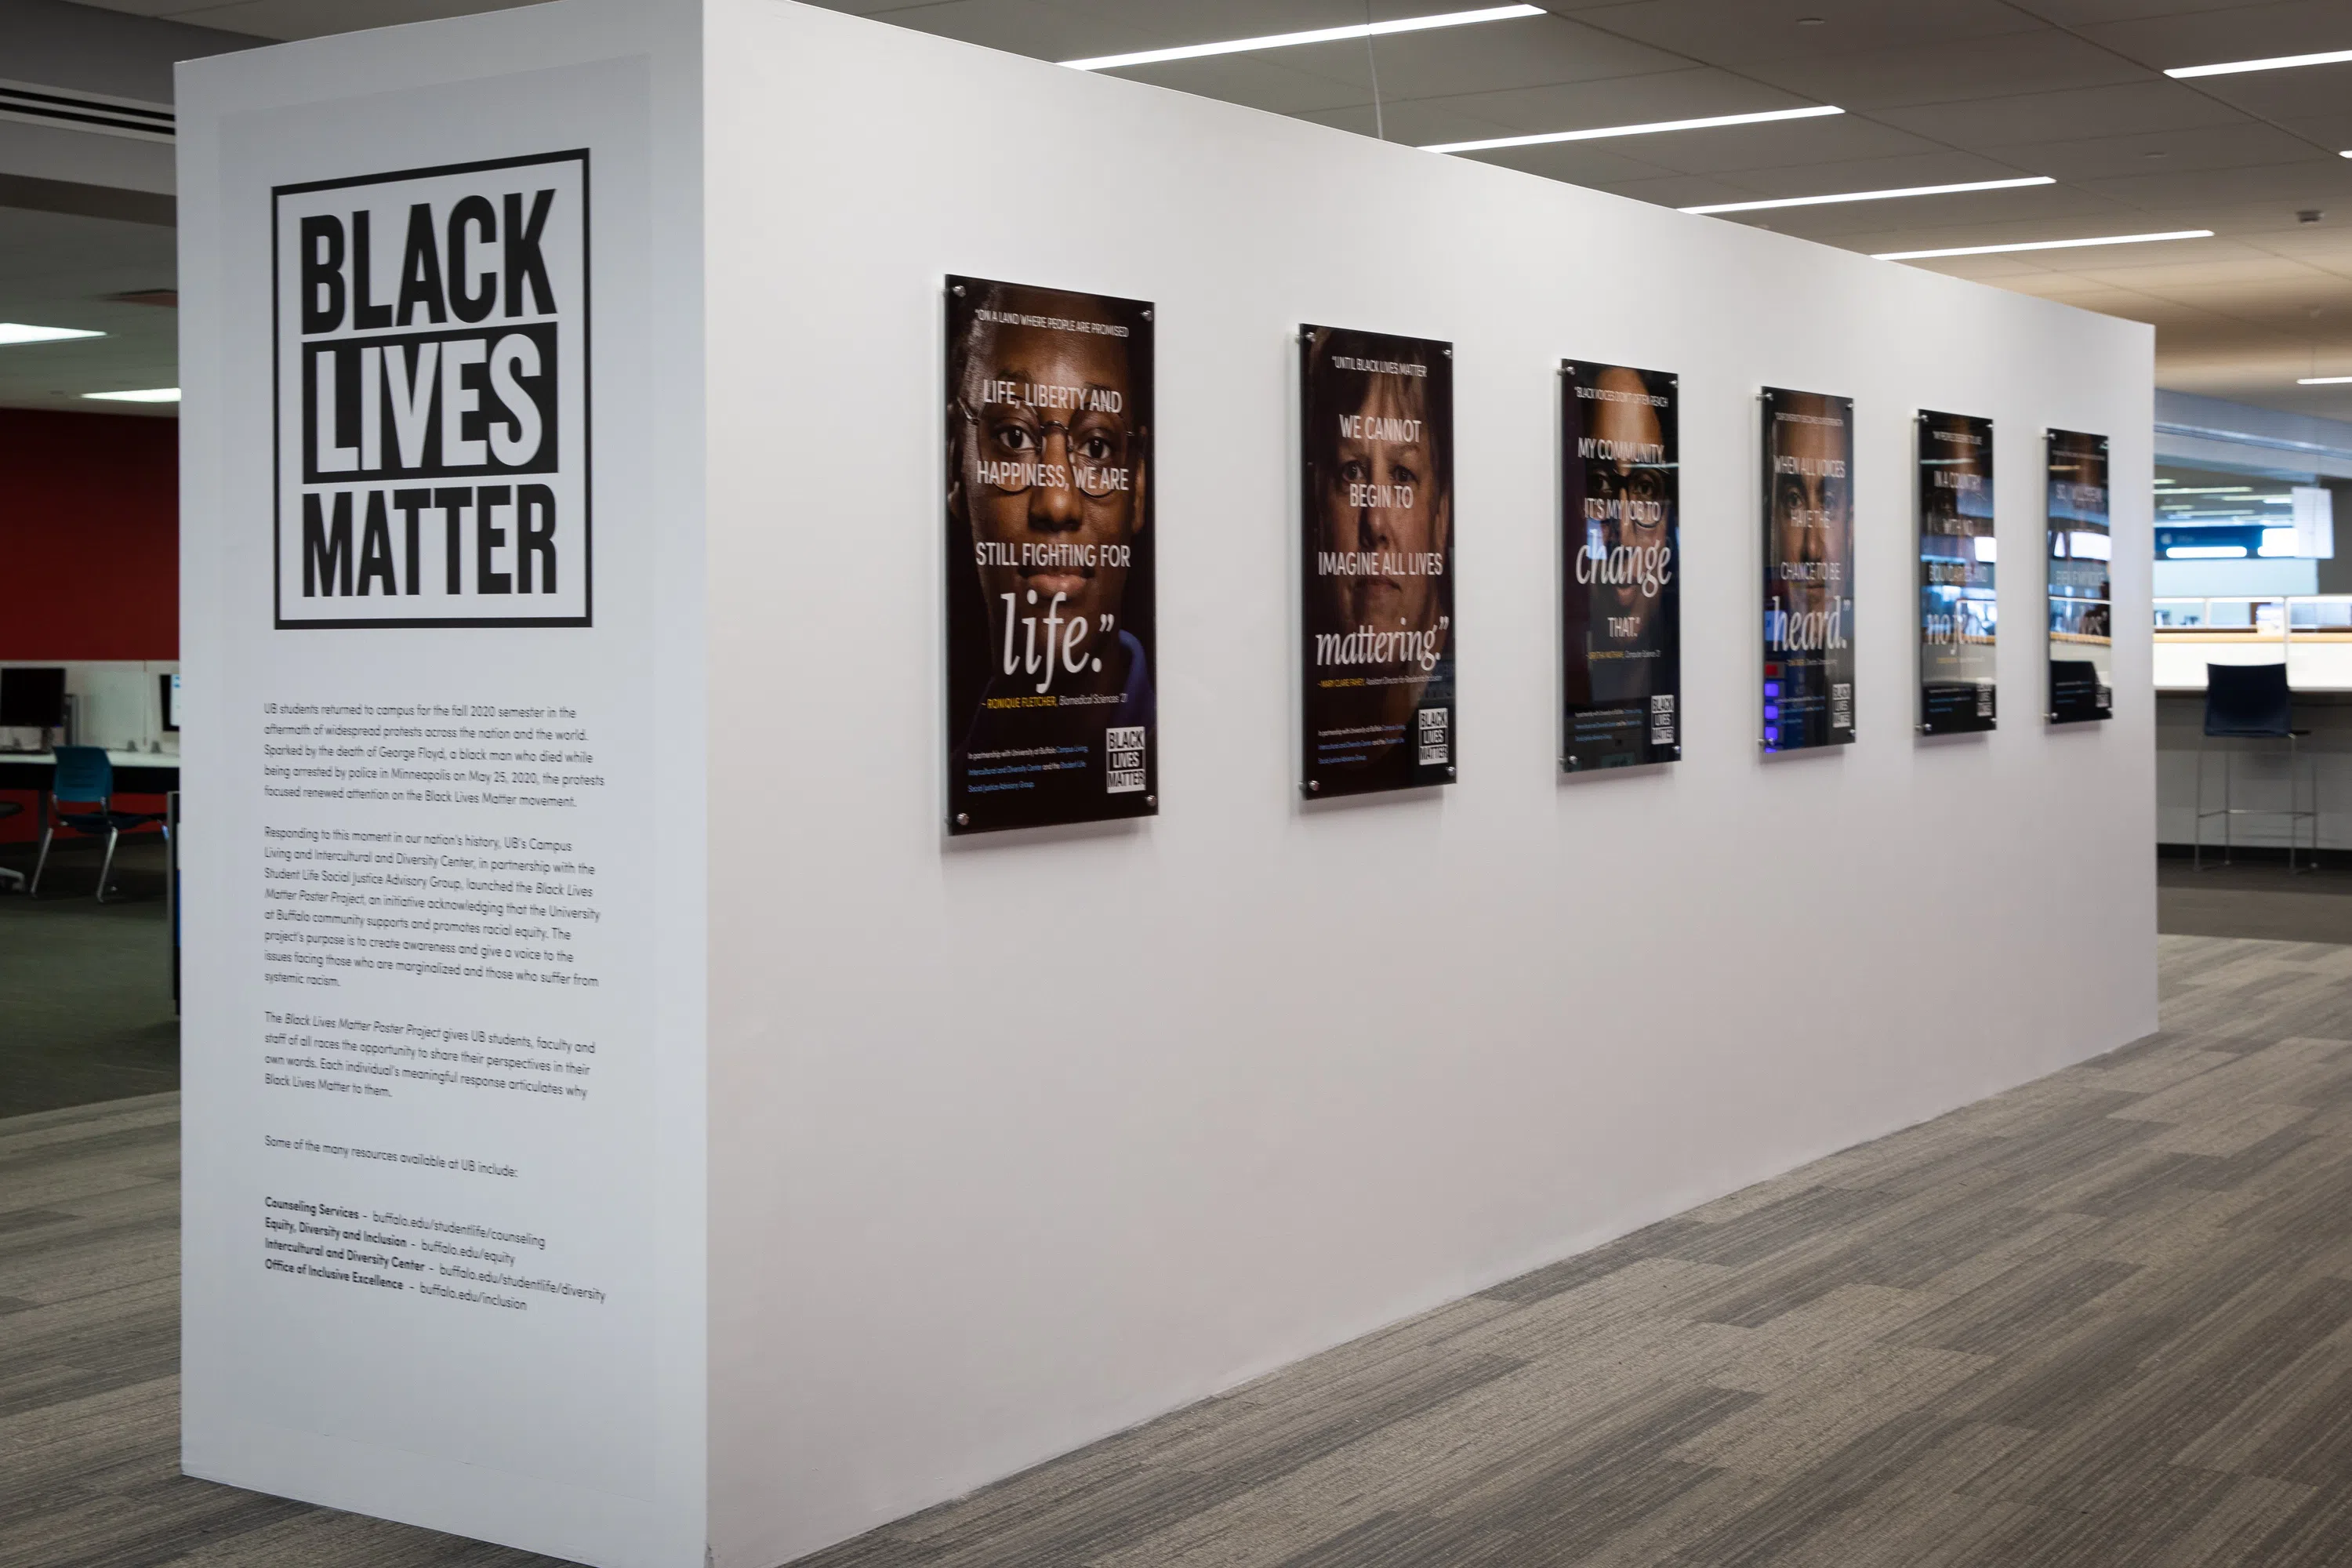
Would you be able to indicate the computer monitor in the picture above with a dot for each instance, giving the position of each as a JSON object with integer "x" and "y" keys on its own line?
{"x": 171, "y": 706}
{"x": 31, "y": 698}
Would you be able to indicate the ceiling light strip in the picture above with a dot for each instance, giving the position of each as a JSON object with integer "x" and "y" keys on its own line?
{"x": 1873, "y": 195}
{"x": 2042, "y": 245}
{"x": 2275, "y": 63}
{"x": 22, "y": 332}
{"x": 1318, "y": 36}
{"x": 1709, "y": 124}
{"x": 2324, "y": 381}
{"x": 150, "y": 394}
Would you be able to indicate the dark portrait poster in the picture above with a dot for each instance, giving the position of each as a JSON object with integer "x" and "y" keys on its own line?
{"x": 1620, "y": 498}
{"x": 1051, "y": 716}
{"x": 1376, "y": 430}
{"x": 2081, "y": 641}
{"x": 1807, "y": 570}
{"x": 1958, "y": 605}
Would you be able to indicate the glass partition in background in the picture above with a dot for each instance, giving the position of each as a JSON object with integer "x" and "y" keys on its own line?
{"x": 2310, "y": 634}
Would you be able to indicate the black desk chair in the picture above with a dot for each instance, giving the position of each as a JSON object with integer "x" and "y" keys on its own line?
{"x": 10, "y": 878}
{"x": 2252, "y": 702}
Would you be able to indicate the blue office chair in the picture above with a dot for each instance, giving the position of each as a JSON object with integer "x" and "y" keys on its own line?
{"x": 2252, "y": 702}
{"x": 85, "y": 777}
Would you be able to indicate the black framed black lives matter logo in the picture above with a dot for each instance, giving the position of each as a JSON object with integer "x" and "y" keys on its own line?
{"x": 430, "y": 371}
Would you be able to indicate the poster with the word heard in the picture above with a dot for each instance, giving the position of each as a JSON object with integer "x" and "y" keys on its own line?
{"x": 1376, "y": 424}
{"x": 1807, "y": 570}
{"x": 2081, "y": 686}
{"x": 1621, "y": 602}
{"x": 1959, "y": 601}
{"x": 1051, "y": 714}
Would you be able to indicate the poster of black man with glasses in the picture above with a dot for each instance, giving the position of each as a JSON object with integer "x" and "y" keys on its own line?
{"x": 1377, "y": 531}
{"x": 1051, "y": 716}
{"x": 1620, "y": 641}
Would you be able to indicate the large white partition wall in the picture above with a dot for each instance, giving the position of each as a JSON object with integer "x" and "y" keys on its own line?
{"x": 442, "y": 595}
{"x": 1005, "y": 1143}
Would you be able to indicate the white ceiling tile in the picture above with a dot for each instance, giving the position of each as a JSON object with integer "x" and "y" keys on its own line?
{"x": 2004, "y": 65}
{"x": 1743, "y": 31}
{"x": 2195, "y": 37}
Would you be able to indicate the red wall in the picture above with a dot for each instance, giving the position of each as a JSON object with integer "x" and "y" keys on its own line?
{"x": 90, "y": 535}
{"x": 90, "y": 545}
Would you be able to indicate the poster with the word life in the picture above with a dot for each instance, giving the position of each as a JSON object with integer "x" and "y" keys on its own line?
{"x": 2082, "y": 641}
{"x": 1620, "y": 603}
{"x": 1051, "y": 716}
{"x": 1958, "y": 600}
{"x": 1807, "y": 570}
{"x": 1376, "y": 533}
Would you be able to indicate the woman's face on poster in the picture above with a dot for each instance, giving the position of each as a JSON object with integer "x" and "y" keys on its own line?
{"x": 1381, "y": 498}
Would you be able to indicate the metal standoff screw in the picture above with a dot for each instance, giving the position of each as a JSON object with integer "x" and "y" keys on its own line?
{"x": 1152, "y": 800}
{"x": 1449, "y": 353}
{"x": 1449, "y": 770}
{"x": 1312, "y": 786}
{"x": 964, "y": 819}
{"x": 959, "y": 291}
{"x": 1147, "y": 315}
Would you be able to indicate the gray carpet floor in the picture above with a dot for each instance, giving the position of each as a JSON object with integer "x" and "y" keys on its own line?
{"x": 2255, "y": 898}
{"x": 2103, "y": 1320}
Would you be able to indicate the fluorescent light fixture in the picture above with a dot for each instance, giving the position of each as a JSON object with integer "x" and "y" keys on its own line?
{"x": 2275, "y": 63}
{"x": 2081, "y": 546}
{"x": 18, "y": 333}
{"x": 2210, "y": 489}
{"x": 2324, "y": 380}
{"x": 1651, "y": 128}
{"x": 1318, "y": 36}
{"x": 2204, "y": 552}
{"x": 1873, "y": 195}
{"x": 151, "y": 395}
{"x": 2043, "y": 244}
{"x": 2277, "y": 541}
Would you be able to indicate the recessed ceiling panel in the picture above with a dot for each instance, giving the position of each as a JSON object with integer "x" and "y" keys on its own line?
{"x": 2129, "y": 108}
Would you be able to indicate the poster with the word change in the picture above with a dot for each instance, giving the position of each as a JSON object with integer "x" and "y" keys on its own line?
{"x": 1620, "y": 604}
{"x": 2081, "y": 686}
{"x": 1959, "y": 603}
{"x": 1376, "y": 423}
{"x": 1051, "y": 716}
{"x": 1807, "y": 570}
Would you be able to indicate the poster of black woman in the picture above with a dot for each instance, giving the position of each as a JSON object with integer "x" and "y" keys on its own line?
{"x": 1376, "y": 431}
{"x": 1051, "y": 716}
{"x": 1621, "y": 549}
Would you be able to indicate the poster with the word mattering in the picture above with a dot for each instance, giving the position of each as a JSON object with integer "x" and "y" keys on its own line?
{"x": 2082, "y": 641}
{"x": 1807, "y": 570}
{"x": 1959, "y": 601}
{"x": 1620, "y": 604}
{"x": 1051, "y": 716}
{"x": 1376, "y": 424}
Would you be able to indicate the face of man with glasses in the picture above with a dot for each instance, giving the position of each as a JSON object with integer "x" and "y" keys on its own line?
{"x": 1641, "y": 519}
{"x": 1050, "y": 480}
{"x": 1381, "y": 494}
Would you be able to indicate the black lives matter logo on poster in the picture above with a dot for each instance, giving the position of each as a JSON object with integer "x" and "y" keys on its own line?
{"x": 432, "y": 391}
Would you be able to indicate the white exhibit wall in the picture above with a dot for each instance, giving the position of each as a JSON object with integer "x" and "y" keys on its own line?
{"x": 1015, "y": 1142}
{"x": 443, "y": 1239}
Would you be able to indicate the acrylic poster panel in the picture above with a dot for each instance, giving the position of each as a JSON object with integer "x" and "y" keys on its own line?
{"x": 1051, "y": 715}
{"x": 1620, "y": 641}
{"x": 2081, "y": 627}
{"x": 1377, "y": 531}
{"x": 1808, "y": 599}
{"x": 1959, "y": 603}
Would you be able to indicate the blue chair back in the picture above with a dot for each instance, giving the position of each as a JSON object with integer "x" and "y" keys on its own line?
{"x": 83, "y": 773}
{"x": 2248, "y": 699}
